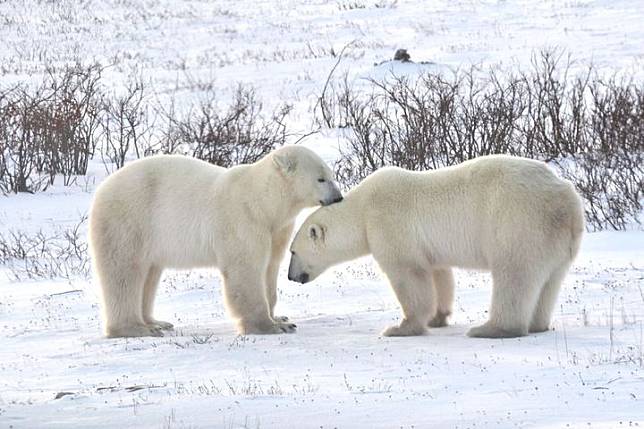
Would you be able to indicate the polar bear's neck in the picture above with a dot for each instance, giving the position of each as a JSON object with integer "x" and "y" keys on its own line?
{"x": 345, "y": 221}
{"x": 269, "y": 203}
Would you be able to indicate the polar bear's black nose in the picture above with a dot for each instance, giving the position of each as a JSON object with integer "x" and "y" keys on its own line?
{"x": 336, "y": 197}
{"x": 300, "y": 278}
{"x": 303, "y": 278}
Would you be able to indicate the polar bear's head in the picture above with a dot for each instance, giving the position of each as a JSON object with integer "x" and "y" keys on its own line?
{"x": 310, "y": 180}
{"x": 327, "y": 237}
{"x": 308, "y": 253}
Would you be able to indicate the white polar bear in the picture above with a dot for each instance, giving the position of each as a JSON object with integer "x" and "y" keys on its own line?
{"x": 505, "y": 214}
{"x": 171, "y": 211}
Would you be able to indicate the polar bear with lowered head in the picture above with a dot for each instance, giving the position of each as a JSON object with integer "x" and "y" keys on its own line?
{"x": 172, "y": 211}
{"x": 505, "y": 214}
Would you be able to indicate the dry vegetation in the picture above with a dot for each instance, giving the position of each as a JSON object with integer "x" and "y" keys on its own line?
{"x": 55, "y": 128}
{"x": 60, "y": 254}
{"x": 237, "y": 134}
{"x": 589, "y": 127}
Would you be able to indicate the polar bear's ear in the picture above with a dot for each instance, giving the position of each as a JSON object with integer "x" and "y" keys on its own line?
{"x": 316, "y": 232}
{"x": 284, "y": 163}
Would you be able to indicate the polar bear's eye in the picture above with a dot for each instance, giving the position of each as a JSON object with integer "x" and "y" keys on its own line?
{"x": 321, "y": 180}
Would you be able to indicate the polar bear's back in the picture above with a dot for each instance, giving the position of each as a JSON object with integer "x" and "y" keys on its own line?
{"x": 491, "y": 183}
{"x": 156, "y": 184}
{"x": 177, "y": 171}
{"x": 525, "y": 196}
{"x": 475, "y": 208}
{"x": 144, "y": 175}
{"x": 477, "y": 181}
{"x": 154, "y": 198}
{"x": 521, "y": 190}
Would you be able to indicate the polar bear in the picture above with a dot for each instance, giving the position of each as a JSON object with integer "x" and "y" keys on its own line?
{"x": 172, "y": 211}
{"x": 505, "y": 214}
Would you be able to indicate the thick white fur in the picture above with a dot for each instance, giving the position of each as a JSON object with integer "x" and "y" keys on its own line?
{"x": 505, "y": 214}
{"x": 172, "y": 211}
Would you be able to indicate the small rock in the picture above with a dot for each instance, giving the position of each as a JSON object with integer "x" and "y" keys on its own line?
{"x": 402, "y": 56}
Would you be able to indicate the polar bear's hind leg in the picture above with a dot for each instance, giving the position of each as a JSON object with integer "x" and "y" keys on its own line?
{"x": 443, "y": 281}
{"x": 547, "y": 300}
{"x": 122, "y": 303}
{"x": 514, "y": 299}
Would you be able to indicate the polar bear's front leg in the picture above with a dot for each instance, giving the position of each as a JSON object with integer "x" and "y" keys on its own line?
{"x": 245, "y": 298}
{"x": 416, "y": 299}
{"x": 279, "y": 242}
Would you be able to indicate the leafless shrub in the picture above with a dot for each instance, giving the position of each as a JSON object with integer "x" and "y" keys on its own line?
{"x": 41, "y": 256}
{"x": 48, "y": 130}
{"x": 70, "y": 120}
{"x": 427, "y": 123}
{"x": 126, "y": 124}
{"x": 590, "y": 128}
{"x": 330, "y": 109}
{"x": 53, "y": 128}
{"x": 608, "y": 169}
{"x": 5, "y": 103}
{"x": 20, "y": 146}
{"x": 240, "y": 133}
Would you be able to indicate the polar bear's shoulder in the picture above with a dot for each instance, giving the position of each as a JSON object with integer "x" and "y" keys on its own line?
{"x": 169, "y": 164}
{"x": 383, "y": 178}
{"x": 504, "y": 162}
{"x": 385, "y": 174}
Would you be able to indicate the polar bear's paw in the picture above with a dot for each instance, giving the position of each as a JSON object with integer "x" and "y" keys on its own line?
{"x": 134, "y": 331}
{"x": 439, "y": 320}
{"x": 286, "y": 327}
{"x": 405, "y": 329}
{"x": 267, "y": 329}
{"x": 160, "y": 324}
{"x": 488, "y": 330}
{"x": 280, "y": 318}
{"x": 539, "y": 327}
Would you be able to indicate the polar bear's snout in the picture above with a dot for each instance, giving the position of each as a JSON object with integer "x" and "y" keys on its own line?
{"x": 302, "y": 278}
{"x": 333, "y": 195}
{"x": 295, "y": 272}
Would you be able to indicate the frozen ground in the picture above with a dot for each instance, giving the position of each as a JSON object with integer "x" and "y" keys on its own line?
{"x": 336, "y": 371}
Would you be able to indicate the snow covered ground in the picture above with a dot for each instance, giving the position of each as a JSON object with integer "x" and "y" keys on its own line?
{"x": 335, "y": 371}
